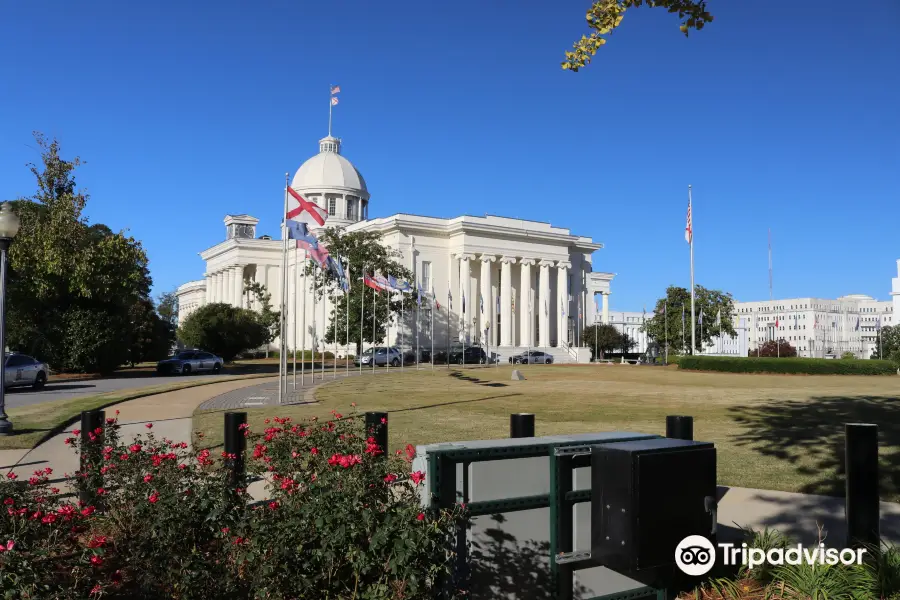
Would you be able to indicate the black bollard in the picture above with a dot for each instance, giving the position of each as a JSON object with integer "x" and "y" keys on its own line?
{"x": 90, "y": 460}
{"x": 235, "y": 444}
{"x": 521, "y": 425}
{"x": 679, "y": 427}
{"x": 377, "y": 427}
{"x": 862, "y": 508}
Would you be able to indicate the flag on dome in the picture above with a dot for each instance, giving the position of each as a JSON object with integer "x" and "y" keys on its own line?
{"x": 335, "y": 89}
{"x": 302, "y": 210}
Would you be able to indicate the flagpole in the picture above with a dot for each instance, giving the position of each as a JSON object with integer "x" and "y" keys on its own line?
{"x": 282, "y": 362}
{"x": 362, "y": 313}
{"x": 449, "y": 296}
{"x": 400, "y": 330}
{"x": 324, "y": 329}
{"x": 315, "y": 328}
{"x": 666, "y": 315}
{"x": 418, "y": 305}
{"x": 303, "y": 327}
{"x": 330, "y": 107}
{"x": 374, "y": 312}
{"x": 693, "y": 314}
{"x": 347, "y": 324}
{"x": 296, "y": 289}
{"x": 433, "y": 299}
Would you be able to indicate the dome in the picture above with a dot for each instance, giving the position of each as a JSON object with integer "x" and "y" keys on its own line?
{"x": 328, "y": 170}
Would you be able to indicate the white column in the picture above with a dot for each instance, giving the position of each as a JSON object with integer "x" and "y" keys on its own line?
{"x": 209, "y": 288}
{"x": 465, "y": 290}
{"x": 220, "y": 286}
{"x": 605, "y": 297}
{"x": 563, "y": 307}
{"x": 543, "y": 304}
{"x": 227, "y": 285}
{"x": 526, "y": 320}
{"x": 239, "y": 286}
{"x": 505, "y": 300}
{"x": 495, "y": 323}
{"x": 485, "y": 319}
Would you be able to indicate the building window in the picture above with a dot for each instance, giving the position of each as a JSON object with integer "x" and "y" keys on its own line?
{"x": 426, "y": 275}
{"x": 332, "y": 207}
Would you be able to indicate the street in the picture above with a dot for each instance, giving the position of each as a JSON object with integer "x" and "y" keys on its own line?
{"x": 24, "y": 396}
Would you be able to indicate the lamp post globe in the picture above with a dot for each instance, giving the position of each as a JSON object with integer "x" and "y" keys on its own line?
{"x": 9, "y": 227}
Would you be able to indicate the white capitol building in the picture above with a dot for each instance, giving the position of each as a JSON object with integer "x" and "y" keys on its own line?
{"x": 541, "y": 276}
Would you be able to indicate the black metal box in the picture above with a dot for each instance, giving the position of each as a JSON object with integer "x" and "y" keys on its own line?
{"x": 648, "y": 495}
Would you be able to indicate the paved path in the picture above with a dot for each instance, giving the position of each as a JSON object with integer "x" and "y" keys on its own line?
{"x": 73, "y": 389}
{"x": 170, "y": 412}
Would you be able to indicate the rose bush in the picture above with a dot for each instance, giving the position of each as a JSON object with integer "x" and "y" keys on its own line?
{"x": 340, "y": 520}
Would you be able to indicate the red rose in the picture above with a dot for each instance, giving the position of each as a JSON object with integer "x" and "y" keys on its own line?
{"x": 417, "y": 477}
{"x": 420, "y": 517}
{"x": 96, "y": 561}
{"x": 153, "y": 498}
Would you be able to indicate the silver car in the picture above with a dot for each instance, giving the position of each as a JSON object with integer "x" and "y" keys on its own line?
{"x": 383, "y": 356}
{"x": 24, "y": 370}
{"x": 190, "y": 361}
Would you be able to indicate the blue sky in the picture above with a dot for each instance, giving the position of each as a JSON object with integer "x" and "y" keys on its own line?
{"x": 186, "y": 111}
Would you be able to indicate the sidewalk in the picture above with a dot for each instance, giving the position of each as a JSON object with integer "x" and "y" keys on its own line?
{"x": 795, "y": 515}
{"x": 170, "y": 412}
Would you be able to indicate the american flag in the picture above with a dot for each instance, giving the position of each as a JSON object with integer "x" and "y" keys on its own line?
{"x": 335, "y": 89}
{"x": 689, "y": 228}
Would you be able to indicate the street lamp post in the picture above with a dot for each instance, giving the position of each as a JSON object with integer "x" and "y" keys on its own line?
{"x": 9, "y": 227}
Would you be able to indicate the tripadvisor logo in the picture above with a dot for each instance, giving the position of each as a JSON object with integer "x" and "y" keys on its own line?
{"x": 696, "y": 555}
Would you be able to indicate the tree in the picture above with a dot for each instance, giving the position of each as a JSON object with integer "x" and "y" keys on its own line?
{"x": 270, "y": 319}
{"x": 223, "y": 329}
{"x": 605, "y": 15}
{"x": 776, "y": 349}
{"x": 604, "y": 338}
{"x": 167, "y": 308}
{"x": 887, "y": 342}
{"x": 72, "y": 286}
{"x": 668, "y": 312}
{"x": 359, "y": 249}
{"x": 151, "y": 337}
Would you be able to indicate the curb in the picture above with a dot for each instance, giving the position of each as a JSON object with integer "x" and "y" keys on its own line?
{"x": 57, "y": 429}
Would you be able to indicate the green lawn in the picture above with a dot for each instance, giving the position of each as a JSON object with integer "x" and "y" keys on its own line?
{"x": 772, "y": 431}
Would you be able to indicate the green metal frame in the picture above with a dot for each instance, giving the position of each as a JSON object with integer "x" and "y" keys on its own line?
{"x": 564, "y": 458}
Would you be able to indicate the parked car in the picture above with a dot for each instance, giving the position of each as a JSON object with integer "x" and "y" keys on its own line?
{"x": 531, "y": 357}
{"x": 472, "y": 355}
{"x": 190, "y": 361}
{"x": 25, "y": 370}
{"x": 382, "y": 356}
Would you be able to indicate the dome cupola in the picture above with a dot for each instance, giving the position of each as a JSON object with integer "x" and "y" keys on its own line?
{"x": 332, "y": 182}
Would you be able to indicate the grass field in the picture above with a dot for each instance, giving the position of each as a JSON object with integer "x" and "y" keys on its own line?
{"x": 772, "y": 431}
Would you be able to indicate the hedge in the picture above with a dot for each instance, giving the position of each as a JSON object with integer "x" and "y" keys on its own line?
{"x": 807, "y": 366}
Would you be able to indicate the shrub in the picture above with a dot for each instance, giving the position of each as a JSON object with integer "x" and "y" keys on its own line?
{"x": 775, "y": 349}
{"x": 341, "y": 520}
{"x": 809, "y": 366}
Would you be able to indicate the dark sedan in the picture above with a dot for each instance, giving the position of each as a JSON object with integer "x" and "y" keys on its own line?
{"x": 472, "y": 355}
{"x": 532, "y": 357}
{"x": 190, "y": 361}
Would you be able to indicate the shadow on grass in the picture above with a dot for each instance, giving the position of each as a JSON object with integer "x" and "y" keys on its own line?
{"x": 459, "y": 375}
{"x": 810, "y": 435}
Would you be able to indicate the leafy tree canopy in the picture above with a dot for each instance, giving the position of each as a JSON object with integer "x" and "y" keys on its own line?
{"x": 224, "y": 330}
{"x": 887, "y": 344}
{"x": 73, "y": 286}
{"x": 604, "y": 16}
{"x": 603, "y": 338}
{"x": 359, "y": 250}
{"x": 666, "y": 322}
